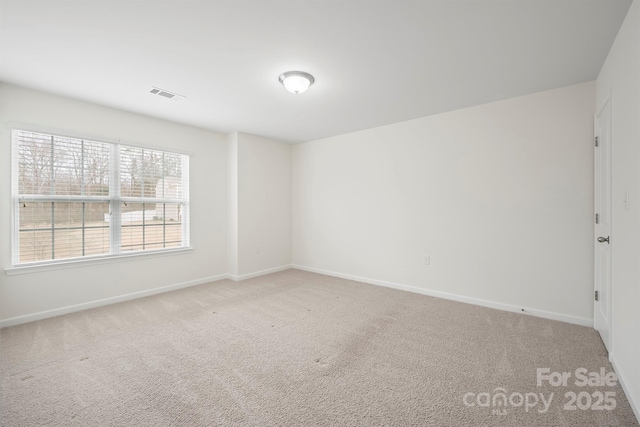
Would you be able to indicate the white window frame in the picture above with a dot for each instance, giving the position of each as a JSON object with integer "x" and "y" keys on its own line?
{"x": 114, "y": 199}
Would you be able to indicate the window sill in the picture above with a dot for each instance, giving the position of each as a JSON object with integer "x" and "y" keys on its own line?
{"x": 83, "y": 262}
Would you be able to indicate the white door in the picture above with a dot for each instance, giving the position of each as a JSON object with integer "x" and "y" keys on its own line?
{"x": 603, "y": 241}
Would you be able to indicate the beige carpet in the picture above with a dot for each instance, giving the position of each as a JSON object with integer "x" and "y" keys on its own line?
{"x": 297, "y": 349}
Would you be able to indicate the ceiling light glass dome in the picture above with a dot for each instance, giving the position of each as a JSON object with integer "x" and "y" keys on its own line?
{"x": 296, "y": 81}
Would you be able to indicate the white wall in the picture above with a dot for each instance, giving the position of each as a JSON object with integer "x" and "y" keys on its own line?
{"x": 31, "y": 293}
{"x": 499, "y": 195}
{"x": 620, "y": 76}
{"x": 264, "y": 204}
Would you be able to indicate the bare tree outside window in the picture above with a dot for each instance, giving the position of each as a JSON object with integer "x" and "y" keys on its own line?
{"x": 65, "y": 198}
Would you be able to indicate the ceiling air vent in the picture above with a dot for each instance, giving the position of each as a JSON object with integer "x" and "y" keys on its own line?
{"x": 166, "y": 94}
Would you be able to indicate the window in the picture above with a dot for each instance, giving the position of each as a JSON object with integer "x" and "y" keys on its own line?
{"x": 78, "y": 198}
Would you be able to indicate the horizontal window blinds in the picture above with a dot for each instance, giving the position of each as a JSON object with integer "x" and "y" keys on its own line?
{"x": 80, "y": 198}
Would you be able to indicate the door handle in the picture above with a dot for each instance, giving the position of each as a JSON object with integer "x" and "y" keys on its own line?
{"x": 603, "y": 239}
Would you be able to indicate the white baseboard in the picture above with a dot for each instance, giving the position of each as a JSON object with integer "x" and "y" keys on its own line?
{"x": 633, "y": 400}
{"x": 121, "y": 298}
{"x": 106, "y": 301}
{"x": 470, "y": 300}
{"x": 583, "y": 321}
{"x": 241, "y": 277}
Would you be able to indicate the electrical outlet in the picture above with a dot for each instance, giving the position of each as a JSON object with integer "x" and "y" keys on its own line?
{"x": 257, "y": 249}
{"x": 426, "y": 260}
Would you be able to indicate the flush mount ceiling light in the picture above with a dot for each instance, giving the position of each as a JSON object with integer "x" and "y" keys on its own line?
{"x": 296, "y": 81}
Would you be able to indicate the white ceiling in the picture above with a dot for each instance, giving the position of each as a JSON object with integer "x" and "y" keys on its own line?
{"x": 375, "y": 62}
